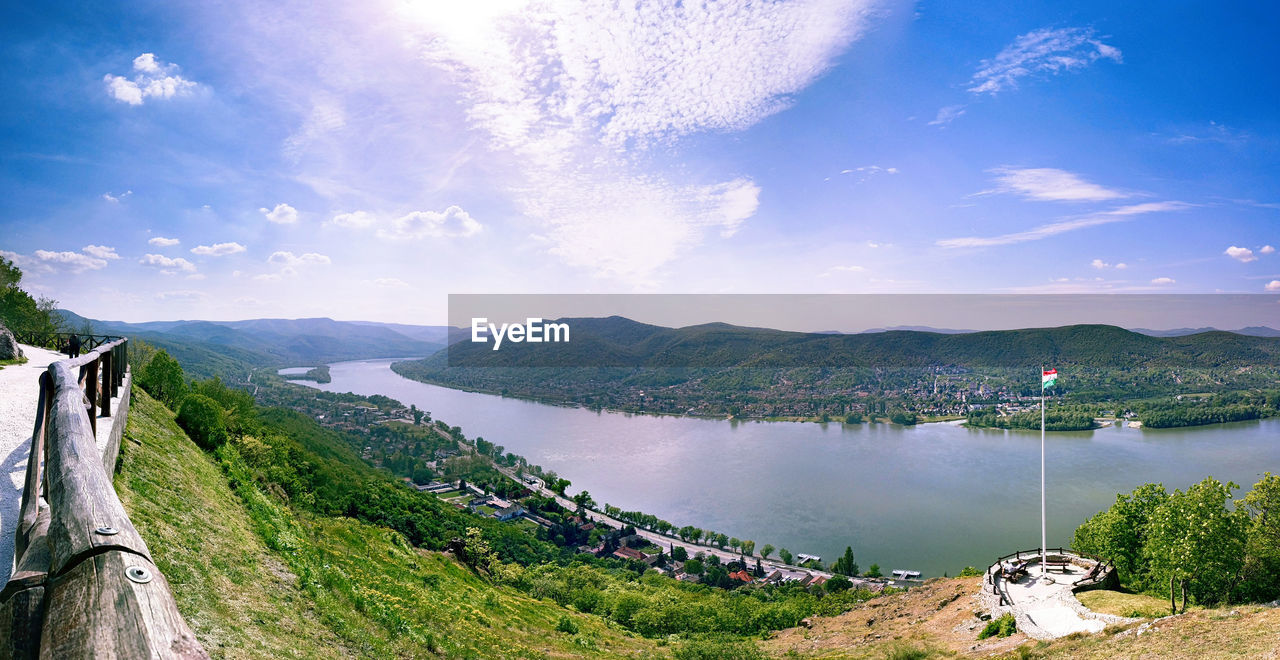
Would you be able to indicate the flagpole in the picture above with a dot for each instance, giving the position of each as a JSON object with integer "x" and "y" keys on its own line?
{"x": 1043, "y": 545}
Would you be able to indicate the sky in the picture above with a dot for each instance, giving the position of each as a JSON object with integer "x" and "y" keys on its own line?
{"x": 364, "y": 160}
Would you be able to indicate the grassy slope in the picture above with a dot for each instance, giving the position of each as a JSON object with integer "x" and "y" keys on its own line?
{"x": 255, "y": 579}
{"x": 937, "y": 621}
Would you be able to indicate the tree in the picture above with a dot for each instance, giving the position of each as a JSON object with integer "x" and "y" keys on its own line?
{"x": 748, "y": 547}
{"x": 679, "y": 553}
{"x": 766, "y": 551}
{"x": 845, "y": 565}
{"x": 203, "y": 419}
{"x": 1120, "y": 533}
{"x": 417, "y": 414}
{"x": 1197, "y": 543}
{"x": 785, "y": 554}
{"x": 837, "y": 584}
{"x": 1262, "y": 546}
{"x": 162, "y": 378}
{"x": 694, "y": 567}
{"x": 873, "y": 571}
{"x": 584, "y": 501}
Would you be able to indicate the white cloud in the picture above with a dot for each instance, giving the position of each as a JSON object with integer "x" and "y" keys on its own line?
{"x": 843, "y": 269}
{"x": 76, "y": 262}
{"x": 1266, "y": 249}
{"x": 167, "y": 265}
{"x": 100, "y": 251}
{"x": 453, "y": 222}
{"x": 353, "y": 220}
{"x": 1102, "y": 265}
{"x": 1046, "y": 184}
{"x": 1120, "y": 214}
{"x": 862, "y": 174}
{"x": 947, "y": 114}
{"x": 282, "y": 214}
{"x": 1162, "y": 281}
{"x": 151, "y": 79}
{"x": 218, "y": 249}
{"x": 391, "y": 283}
{"x": 115, "y": 199}
{"x": 1040, "y": 52}
{"x": 1273, "y": 285}
{"x": 289, "y": 259}
{"x": 161, "y": 241}
{"x": 185, "y": 295}
{"x": 1241, "y": 254}
{"x": 571, "y": 92}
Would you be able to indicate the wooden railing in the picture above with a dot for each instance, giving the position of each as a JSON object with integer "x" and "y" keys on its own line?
{"x": 84, "y": 584}
{"x": 59, "y": 341}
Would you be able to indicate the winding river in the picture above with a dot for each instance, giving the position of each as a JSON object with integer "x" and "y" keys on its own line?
{"x": 933, "y": 498}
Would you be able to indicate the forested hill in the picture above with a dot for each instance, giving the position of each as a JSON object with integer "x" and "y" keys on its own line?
{"x": 620, "y": 342}
{"x": 230, "y": 348}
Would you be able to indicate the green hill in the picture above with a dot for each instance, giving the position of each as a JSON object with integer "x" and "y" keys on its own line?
{"x": 257, "y": 578}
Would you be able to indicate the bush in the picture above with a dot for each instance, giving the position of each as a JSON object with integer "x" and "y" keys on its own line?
{"x": 204, "y": 420}
{"x": 1001, "y": 627}
{"x": 838, "y": 583}
{"x": 969, "y": 571}
{"x": 566, "y": 625}
{"x": 162, "y": 378}
{"x": 717, "y": 649}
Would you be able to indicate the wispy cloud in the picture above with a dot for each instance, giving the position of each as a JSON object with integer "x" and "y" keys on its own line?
{"x": 152, "y": 79}
{"x": 1040, "y": 52}
{"x": 1102, "y": 265}
{"x": 353, "y": 220}
{"x": 1046, "y": 184}
{"x": 218, "y": 249}
{"x": 116, "y": 199}
{"x": 1163, "y": 281}
{"x": 161, "y": 241}
{"x": 947, "y": 114}
{"x": 1120, "y": 214}
{"x": 576, "y": 92}
{"x": 289, "y": 259}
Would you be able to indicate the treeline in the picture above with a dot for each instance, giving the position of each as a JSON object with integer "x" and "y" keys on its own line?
{"x": 1054, "y": 420}
{"x": 1229, "y": 407}
{"x": 19, "y": 311}
{"x": 1200, "y": 543}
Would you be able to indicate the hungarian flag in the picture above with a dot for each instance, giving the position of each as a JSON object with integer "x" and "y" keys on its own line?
{"x": 1048, "y": 379}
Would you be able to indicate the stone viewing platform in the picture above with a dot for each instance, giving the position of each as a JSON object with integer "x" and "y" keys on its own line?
{"x": 1043, "y": 601}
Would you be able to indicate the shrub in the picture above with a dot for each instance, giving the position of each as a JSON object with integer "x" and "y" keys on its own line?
{"x": 1001, "y": 627}
{"x": 162, "y": 378}
{"x": 204, "y": 420}
{"x": 838, "y": 583}
{"x": 566, "y": 625}
{"x": 969, "y": 571}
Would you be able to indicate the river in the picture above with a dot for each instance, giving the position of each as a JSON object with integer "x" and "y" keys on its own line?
{"x": 933, "y": 497}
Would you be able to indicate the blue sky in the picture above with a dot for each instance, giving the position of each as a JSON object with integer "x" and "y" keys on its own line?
{"x": 363, "y": 160}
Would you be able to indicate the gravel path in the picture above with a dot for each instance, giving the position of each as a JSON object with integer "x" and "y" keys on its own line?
{"x": 19, "y": 395}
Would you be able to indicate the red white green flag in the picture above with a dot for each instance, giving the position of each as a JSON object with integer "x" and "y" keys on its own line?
{"x": 1048, "y": 379}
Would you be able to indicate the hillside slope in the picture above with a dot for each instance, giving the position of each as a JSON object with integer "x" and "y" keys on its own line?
{"x": 938, "y": 620}
{"x": 255, "y": 578}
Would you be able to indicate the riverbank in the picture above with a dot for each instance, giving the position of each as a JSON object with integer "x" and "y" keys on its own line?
{"x": 902, "y": 497}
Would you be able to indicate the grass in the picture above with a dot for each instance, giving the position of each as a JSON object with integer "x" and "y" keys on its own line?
{"x": 255, "y": 578}
{"x": 5, "y": 363}
{"x": 1122, "y": 603}
{"x": 239, "y": 599}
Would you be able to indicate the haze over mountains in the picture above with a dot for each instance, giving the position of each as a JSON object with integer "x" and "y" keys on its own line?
{"x": 227, "y": 347}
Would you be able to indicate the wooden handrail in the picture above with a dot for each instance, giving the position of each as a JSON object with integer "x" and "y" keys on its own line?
{"x": 85, "y": 584}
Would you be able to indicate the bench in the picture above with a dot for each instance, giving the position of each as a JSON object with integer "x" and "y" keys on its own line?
{"x": 1060, "y": 564}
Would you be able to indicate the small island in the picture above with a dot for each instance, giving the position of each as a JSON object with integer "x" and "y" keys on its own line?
{"x": 318, "y": 374}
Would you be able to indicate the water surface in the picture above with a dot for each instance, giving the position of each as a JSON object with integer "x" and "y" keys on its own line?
{"x": 933, "y": 497}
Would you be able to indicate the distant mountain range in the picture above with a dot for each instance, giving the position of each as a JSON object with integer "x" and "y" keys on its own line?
{"x": 212, "y": 347}
{"x": 620, "y": 342}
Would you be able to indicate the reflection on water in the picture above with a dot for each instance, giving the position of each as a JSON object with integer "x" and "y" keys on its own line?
{"x": 933, "y": 498}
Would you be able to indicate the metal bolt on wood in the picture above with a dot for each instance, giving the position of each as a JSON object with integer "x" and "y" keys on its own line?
{"x": 138, "y": 574}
